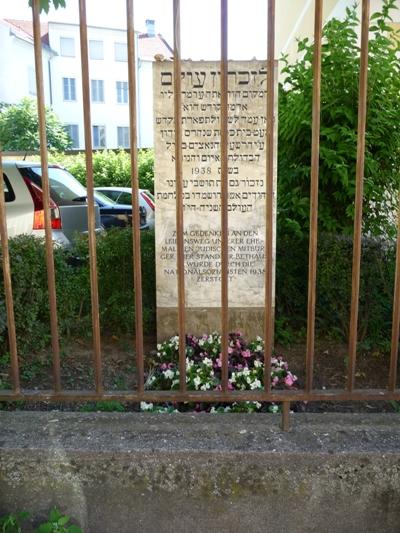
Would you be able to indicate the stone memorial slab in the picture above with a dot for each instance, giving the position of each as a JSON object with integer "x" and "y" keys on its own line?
{"x": 201, "y": 148}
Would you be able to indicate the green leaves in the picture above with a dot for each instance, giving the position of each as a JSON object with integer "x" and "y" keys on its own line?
{"x": 338, "y": 136}
{"x": 46, "y": 4}
{"x": 19, "y": 128}
{"x": 57, "y": 523}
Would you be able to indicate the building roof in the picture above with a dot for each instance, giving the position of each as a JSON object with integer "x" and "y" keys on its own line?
{"x": 24, "y": 30}
{"x": 153, "y": 45}
{"x": 149, "y": 46}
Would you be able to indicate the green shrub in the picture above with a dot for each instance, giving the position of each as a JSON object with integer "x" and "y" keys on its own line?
{"x": 116, "y": 291}
{"x": 110, "y": 168}
{"x": 334, "y": 265}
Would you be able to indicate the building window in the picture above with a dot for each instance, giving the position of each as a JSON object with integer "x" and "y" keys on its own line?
{"x": 69, "y": 89}
{"x": 96, "y": 50}
{"x": 99, "y": 136}
{"x": 67, "y": 46}
{"x": 32, "y": 81}
{"x": 123, "y": 136}
{"x": 121, "y": 52}
{"x": 73, "y": 132}
{"x": 97, "y": 87}
{"x": 122, "y": 92}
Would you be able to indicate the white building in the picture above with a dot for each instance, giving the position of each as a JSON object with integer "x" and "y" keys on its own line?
{"x": 17, "y": 63}
{"x": 108, "y": 73}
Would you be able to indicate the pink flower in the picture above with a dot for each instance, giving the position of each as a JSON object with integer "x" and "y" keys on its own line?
{"x": 246, "y": 353}
{"x": 230, "y": 350}
{"x": 230, "y": 386}
{"x": 289, "y": 380}
{"x": 275, "y": 381}
{"x": 164, "y": 366}
{"x": 219, "y": 362}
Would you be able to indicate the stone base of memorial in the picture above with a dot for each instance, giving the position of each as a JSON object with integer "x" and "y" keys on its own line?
{"x": 247, "y": 320}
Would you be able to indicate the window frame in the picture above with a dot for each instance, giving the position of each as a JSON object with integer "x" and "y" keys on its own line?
{"x": 117, "y": 56}
{"x": 95, "y": 92}
{"x": 72, "y": 39}
{"x": 122, "y": 91}
{"x": 66, "y": 127}
{"x": 99, "y": 146}
{"x": 91, "y": 49}
{"x": 124, "y": 131}
{"x": 69, "y": 99}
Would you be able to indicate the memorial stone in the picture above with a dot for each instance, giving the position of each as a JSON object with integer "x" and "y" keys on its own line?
{"x": 201, "y": 149}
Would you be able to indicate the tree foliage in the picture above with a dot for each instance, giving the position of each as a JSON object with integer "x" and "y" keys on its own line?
{"x": 338, "y": 138}
{"x": 45, "y": 5}
{"x": 19, "y": 128}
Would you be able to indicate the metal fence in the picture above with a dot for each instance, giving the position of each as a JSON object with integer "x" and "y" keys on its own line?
{"x": 224, "y": 395}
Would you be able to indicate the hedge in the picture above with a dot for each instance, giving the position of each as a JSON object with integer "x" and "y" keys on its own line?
{"x": 110, "y": 168}
{"x": 116, "y": 291}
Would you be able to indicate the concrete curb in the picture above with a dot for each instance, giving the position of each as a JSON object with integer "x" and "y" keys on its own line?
{"x": 142, "y": 472}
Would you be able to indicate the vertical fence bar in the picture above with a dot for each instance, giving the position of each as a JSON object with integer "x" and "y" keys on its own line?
{"x": 12, "y": 338}
{"x": 312, "y": 262}
{"x": 224, "y": 194}
{"x": 180, "y": 257}
{"x": 285, "y": 420}
{"x": 269, "y": 214}
{"x": 394, "y": 355}
{"x": 356, "y": 268}
{"x": 137, "y": 263}
{"x": 46, "y": 195}
{"x": 90, "y": 197}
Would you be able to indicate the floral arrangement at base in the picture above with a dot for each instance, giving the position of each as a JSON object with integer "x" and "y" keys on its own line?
{"x": 203, "y": 372}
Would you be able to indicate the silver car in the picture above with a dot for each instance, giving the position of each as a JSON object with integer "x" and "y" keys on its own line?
{"x": 24, "y": 202}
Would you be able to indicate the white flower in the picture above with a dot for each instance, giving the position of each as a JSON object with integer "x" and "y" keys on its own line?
{"x": 258, "y": 348}
{"x": 208, "y": 362}
{"x": 246, "y": 372}
{"x": 197, "y": 382}
{"x": 168, "y": 374}
{"x": 201, "y": 342}
{"x": 233, "y": 377}
{"x": 213, "y": 410}
{"x": 175, "y": 382}
{"x": 257, "y": 363}
{"x": 248, "y": 380}
{"x": 206, "y": 386}
{"x": 258, "y": 405}
{"x": 210, "y": 339}
{"x": 256, "y": 384}
{"x": 274, "y": 408}
{"x": 144, "y": 406}
{"x": 159, "y": 346}
{"x": 258, "y": 338}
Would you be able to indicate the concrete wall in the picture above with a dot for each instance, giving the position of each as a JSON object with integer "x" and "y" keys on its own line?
{"x": 120, "y": 473}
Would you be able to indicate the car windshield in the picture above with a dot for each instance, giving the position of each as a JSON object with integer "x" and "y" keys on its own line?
{"x": 64, "y": 187}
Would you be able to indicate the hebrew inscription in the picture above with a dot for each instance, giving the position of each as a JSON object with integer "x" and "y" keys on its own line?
{"x": 201, "y": 147}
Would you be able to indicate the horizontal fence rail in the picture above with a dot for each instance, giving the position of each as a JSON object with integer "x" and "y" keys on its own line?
{"x": 224, "y": 395}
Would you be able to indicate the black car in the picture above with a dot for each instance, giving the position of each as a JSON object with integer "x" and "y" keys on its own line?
{"x": 113, "y": 215}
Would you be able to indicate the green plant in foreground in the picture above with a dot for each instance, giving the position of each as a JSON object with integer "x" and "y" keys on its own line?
{"x": 12, "y": 522}
{"x": 58, "y": 523}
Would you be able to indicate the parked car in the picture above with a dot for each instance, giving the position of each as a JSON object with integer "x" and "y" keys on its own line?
{"x": 115, "y": 215}
{"x": 24, "y": 202}
{"x": 123, "y": 195}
